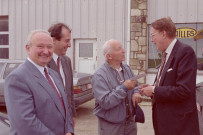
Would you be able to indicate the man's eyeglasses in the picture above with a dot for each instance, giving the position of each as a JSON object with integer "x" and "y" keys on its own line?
{"x": 152, "y": 35}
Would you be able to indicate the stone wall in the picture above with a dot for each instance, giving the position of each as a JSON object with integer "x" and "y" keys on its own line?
{"x": 138, "y": 35}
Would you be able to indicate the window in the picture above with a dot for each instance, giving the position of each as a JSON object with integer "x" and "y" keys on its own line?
{"x": 154, "y": 56}
{"x": 85, "y": 49}
{"x": 9, "y": 68}
{"x": 4, "y": 37}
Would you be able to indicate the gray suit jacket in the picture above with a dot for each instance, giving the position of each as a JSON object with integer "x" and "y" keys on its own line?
{"x": 67, "y": 69}
{"x": 32, "y": 104}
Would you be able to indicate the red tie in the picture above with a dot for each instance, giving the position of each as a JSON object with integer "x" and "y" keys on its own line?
{"x": 58, "y": 63}
{"x": 53, "y": 86}
{"x": 161, "y": 68}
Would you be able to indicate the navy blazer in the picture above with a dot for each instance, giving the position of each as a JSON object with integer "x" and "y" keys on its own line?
{"x": 32, "y": 104}
{"x": 175, "y": 101}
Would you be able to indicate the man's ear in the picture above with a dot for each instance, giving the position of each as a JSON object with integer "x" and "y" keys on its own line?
{"x": 54, "y": 40}
{"x": 108, "y": 56}
{"x": 27, "y": 47}
{"x": 164, "y": 34}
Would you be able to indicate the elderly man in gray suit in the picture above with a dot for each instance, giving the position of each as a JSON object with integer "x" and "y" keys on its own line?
{"x": 34, "y": 94}
{"x": 61, "y": 63}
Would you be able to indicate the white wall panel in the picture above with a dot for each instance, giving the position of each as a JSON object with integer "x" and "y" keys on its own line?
{"x": 45, "y": 14}
{"x": 18, "y": 31}
{"x": 172, "y": 9}
{"x": 101, "y": 28}
{"x": 12, "y": 35}
{"x": 181, "y": 11}
{"x": 39, "y": 14}
{"x": 32, "y": 14}
{"x": 109, "y": 19}
{"x": 88, "y": 19}
{"x": 92, "y": 24}
{"x": 53, "y": 11}
{"x": 68, "y": 12}
{"x": 25, "y": 25}
{"x": 61, "y": 11}
{"x": 192, "y": 11}
{"x": 84, "y": 18}
{"x": 200, "y": 11}
{"x": 3, "y": 7}
{"x": 119, "y": 16}
{"x": 76, "y": 19}
{"x": 161, "y": 4}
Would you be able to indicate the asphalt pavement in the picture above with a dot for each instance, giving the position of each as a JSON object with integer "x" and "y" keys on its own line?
{"x": 86, "y": 122}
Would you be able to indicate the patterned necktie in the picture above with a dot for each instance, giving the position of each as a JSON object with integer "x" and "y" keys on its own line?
{"x": 161, "y": 68}
{"x": 58, "y": 63}
{"x": 53, "y": 86}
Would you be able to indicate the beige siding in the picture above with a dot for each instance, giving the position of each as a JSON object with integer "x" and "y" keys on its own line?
{"x": 89, "y": 19}
{"x": 3, "y": 7}
{"x": 181, "y": 11}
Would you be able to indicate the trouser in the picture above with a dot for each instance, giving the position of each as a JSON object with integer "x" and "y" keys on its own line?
{"x": 108, "y": 128}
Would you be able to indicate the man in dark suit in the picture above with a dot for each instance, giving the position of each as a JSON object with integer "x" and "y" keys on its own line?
{"x": 173, "y": 93}
{"x": 61, "y": 63}
{"x": 34, "y": 94}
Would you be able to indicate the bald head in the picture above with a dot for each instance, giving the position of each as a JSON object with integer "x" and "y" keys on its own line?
{"x": 113, "y": 50}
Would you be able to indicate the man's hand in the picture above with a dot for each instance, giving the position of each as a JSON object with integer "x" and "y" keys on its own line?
{"x": 146, "y": 90}
{"x": 68, "y": 133}
{"x": 136, "y": 98}
{"x": 130, "y": 84}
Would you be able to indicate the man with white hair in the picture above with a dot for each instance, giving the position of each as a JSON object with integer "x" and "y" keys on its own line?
{"x": 115, "y": 94}
{"x": 34, "y": 94}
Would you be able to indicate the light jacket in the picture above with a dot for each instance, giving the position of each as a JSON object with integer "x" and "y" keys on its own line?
{"x": 110, "y": 94}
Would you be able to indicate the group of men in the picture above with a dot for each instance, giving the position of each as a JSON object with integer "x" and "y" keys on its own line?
{"x": 39, "y": 94}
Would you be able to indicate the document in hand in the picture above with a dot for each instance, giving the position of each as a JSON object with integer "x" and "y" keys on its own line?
{"x": 138, "y": 76}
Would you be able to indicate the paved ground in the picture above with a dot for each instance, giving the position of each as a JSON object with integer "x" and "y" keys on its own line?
{"x": 86, "y": 122}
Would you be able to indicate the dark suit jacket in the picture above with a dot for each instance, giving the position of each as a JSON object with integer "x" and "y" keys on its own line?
{"x": 32, "y": 104}
{"x": 67, "y": 69}
{"x": 175, "y": 101}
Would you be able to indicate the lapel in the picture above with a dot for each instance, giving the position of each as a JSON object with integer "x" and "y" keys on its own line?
{"x": 53, "y": 66}
{"x": 168, "y": 63}
{"x": 65, "y": 69}
{"x": 41, "y": 80}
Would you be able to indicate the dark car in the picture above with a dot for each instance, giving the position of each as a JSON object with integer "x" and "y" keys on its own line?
{"x": 81, "y": 82}
{"x": 199, "y": 95}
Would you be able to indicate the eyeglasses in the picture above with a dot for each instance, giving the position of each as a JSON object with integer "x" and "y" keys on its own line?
{"x": 152, "y": 35}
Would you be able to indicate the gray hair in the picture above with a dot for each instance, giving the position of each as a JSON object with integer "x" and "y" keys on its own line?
{"x": 33, "y": 32}
{"x": 106, "y": 49}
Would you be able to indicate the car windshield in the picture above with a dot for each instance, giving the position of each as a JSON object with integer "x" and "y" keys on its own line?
{"x": 1, "y": 67}
{"x": 9, "y": 68}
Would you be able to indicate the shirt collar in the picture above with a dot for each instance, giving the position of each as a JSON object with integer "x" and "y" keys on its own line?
{"x": 40, "y": 68}
{"x": 170, "y": 47}
{"x": 55, "y": 57}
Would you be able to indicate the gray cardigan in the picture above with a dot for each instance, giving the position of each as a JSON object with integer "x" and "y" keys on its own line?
{"x": 110, "y": 94}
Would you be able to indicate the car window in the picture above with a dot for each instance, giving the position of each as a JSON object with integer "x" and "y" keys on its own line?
{"x": 1, "y": 66}
{"x": 9, "y": 68}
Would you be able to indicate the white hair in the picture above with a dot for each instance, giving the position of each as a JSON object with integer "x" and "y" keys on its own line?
{"x": 33, "y": 32}
{"x": 107, "y": 47}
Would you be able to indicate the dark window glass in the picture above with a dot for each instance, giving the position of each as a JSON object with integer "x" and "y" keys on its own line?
{"x": 9, "y": 68}
{"x": 86, "y": 50}
{"x": 4, "y": 53}
{"x": 3, "y": 23}
{"x": 4, "y": 39}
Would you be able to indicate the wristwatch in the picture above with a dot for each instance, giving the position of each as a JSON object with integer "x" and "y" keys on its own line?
{"x": 153, "y": 89}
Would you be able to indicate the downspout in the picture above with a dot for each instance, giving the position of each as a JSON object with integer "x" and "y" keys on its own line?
{"x": 128, "y": 34}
